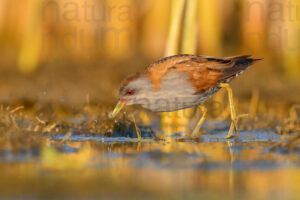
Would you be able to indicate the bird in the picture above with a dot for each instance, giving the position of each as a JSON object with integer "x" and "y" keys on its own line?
{"x": 182, "y": 81}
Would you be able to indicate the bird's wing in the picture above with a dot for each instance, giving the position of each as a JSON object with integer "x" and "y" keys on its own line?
{"x": 159, "y": 68}
{"x": 204, "y": 72}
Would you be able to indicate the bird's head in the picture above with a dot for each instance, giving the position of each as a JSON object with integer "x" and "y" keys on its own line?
{"x": 133, "y": 90}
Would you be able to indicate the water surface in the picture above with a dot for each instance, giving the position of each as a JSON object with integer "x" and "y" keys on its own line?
{"x": 73, "y": 165}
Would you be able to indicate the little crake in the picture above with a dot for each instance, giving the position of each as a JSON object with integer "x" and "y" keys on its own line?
{"x": 182, "y": 81}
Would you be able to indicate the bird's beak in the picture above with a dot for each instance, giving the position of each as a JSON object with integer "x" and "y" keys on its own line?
{"x": 118, "y": 108}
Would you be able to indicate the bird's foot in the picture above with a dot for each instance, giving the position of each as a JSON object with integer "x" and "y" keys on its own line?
{"x": 231, "y": 134}
{"x": 233, "y": 125}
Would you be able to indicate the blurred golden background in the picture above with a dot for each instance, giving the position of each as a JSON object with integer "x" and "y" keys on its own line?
{"x": 65, "y": 50}
{"x": 60, "y": 67}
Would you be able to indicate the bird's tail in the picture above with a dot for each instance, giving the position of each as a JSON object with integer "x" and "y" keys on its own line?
{"x": 240, "y": 64}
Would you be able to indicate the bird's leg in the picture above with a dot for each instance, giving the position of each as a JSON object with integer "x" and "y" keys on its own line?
{"x": 138, "y": 132}
{"x": 232, "y": 112}
{"x": 200, "y": 122}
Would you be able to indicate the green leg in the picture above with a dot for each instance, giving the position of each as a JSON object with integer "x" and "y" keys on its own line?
{"x": 200, "y": 122}
{"x": 233, "y": 116}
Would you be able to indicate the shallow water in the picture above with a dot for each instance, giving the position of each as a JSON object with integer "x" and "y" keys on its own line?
{"x": 90, "y": 166}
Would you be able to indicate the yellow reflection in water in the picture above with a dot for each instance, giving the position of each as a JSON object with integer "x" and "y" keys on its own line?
{"x": 210, "y": 170}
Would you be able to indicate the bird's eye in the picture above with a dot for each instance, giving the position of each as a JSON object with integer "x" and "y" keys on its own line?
{"x": 129, "y": 92}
